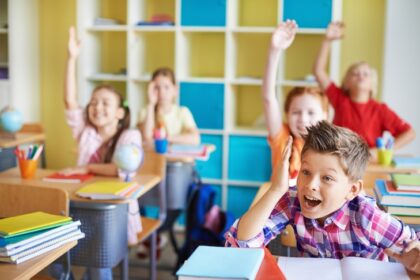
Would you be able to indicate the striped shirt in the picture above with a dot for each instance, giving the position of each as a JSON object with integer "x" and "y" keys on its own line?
{"x": 359, "y": 228}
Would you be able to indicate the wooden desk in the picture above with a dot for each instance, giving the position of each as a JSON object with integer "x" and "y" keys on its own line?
{"x": 12, "y": 176}
{"x": 31, "y": 267}
{"x": 377, "y": 168}
{"x": 22, "y": 138}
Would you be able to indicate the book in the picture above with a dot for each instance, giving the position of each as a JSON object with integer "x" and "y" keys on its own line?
{"x": 20, "y": 243}
{"x": 269, "y": 269}
{"x": 392, "y": 189}
{"x": 408, "y": 182}
{"x": 31, "y": 222}
{"x": 208, "y": 262}
{"x": 107, "y": 190}
{"x": 43, "y": 247}
{"x": 72, "y": 179}
{"x": 200, "y": 152}
{"x": 403, "y": 211}
{"x": 407, "y": 162}
{"x": 396, "y": 199}
{"x": 348, "y": 268}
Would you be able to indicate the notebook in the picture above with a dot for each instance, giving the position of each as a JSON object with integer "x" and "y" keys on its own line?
{"x": 31, "y": 222}
{"x": 406, "y": 182}
{"x": 395, "y": 199}
{"x": 208, "y": 262}
{"x": 392, "y": 189}
{"x": 106, "y": 190}
{"x": 43, "y": 247}
{"x": 14, "y": 245}
{"x": 61, "y": 178}
{"x": 403, "y": 211}
{"x": 199, "y": 152}
{"x": 348, "y": 268}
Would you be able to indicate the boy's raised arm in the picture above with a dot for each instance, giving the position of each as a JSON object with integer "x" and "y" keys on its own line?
{"x": 281, "y": 39}
{"x": 253, "y": 221}
{"x": 334, "y": 31}
{"x": 70, "y": 93}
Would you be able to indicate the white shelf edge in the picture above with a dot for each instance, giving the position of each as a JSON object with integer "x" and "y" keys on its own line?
{"x": 212, "y": 181}
{"x": 246, "y": 81}
{"x": 203, "y": 80}
{"x": 142, "y": 79}
{"x": 252, "y": 29}
{"x": 154, "y": 28}
{"x": 298, "y": 83}
{"x": 101, "y": 28}
{"x": 254, "y": 184}
{"x": 107, "y": 77}
{"x": 249, "y": 131}
{"x": 203, "y": 29}
{"x": 211, "y": 131}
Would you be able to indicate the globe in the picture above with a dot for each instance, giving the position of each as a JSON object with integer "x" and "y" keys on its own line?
{"x": 128, "y": 157}
{"x": 11, "y": 120}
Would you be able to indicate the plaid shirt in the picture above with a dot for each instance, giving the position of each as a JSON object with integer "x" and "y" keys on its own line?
{"x": 358, "y": 228}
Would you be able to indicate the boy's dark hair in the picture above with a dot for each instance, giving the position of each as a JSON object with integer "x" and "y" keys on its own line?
{"x": 123, "y": 124}
{"x": 342, "y": 142}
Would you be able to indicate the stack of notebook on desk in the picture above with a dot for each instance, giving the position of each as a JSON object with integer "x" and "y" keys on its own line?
{"x": 26, "y": 236}
{"x": 401, "y": 195}
{"x": 112, "y": 189}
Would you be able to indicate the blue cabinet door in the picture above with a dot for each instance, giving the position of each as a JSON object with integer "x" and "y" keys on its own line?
{"x": 203, "y": 13}
{"x": 212, "y": 168}
{"x": 308, "y": 13}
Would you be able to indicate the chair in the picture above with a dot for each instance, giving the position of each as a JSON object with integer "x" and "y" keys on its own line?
{"x": 155, "y": 164}
{"x": 22, "y": 199}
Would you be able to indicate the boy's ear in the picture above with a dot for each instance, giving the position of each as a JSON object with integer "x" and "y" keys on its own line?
{"x": 355, "y": 189}
{"x": 120, "y": 113}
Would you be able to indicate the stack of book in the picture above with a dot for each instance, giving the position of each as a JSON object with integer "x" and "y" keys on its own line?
{"x": 26, "y": 236}
{"x": 208, "y": 262}
{"x": 110, "y": 190}
{"x": 401, "y": 195}
{"x": 199, "y": 152}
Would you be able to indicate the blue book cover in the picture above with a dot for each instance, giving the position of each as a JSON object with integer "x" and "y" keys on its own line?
{"x": 222, "y": 262}
{"x": 413, "y": 162}
{"x": 386, "y": 198}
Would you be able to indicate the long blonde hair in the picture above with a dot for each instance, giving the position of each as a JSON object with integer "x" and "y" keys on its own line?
{"x": 373, "y": 77}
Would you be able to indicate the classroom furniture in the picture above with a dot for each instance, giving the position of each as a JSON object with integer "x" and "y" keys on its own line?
{"x": 154, "y": 163}
{"x": 30, "y": 133}
{"x": 218, "y": 50}
{"x": 18, "y": 200}
{"x": 100, "y": 247}
{"x": 19, "y": 25}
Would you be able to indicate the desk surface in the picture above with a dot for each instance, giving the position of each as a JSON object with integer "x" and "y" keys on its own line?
{"x": 377, "y": 168}
{"x": 31, "y": 267}
{"x": 22, "y": 138}
{"x": 12, "y": 176}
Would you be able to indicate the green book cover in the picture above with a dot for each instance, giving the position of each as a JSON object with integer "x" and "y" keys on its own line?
{"x": 406, "y": 181}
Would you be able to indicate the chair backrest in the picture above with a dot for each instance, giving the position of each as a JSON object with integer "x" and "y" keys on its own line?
{"x": 21, "y": 199}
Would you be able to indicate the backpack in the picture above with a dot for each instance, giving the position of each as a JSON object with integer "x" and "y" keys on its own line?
{"x": 206, "y": 223}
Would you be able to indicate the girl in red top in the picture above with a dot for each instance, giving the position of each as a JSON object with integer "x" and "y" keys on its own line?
{"x": 353, "y": 102}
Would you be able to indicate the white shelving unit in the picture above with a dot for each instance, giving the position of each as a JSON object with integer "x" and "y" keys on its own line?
{"x": 222, "y": 59}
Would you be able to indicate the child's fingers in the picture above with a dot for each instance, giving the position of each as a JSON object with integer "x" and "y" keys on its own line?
{"x": 288, "y": 149}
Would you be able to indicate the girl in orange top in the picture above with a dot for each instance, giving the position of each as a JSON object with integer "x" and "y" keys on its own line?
{"x": 303, "y": 106}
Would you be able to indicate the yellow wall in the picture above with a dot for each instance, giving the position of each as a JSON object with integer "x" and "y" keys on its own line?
{"x": 364, "y": 34}
{"x": 53, "y": 47}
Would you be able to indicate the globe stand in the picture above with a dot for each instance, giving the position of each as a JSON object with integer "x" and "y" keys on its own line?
{"x": 125, "y": 175}
{"x": 8, "y": 135}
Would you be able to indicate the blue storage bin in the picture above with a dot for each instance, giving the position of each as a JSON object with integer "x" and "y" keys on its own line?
{"x": 8, "y": 159}
{"x": 206, "y": 102}
{"x": 203, "y": 13}
{"x": 239, "y": 199}
{"x": 308, "y": 13}
{"x": 249, "y": 158}
{"x": 212, "y": 168}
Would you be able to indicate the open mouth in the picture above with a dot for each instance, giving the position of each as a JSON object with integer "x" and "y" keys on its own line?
{"x": 311, "y": 201}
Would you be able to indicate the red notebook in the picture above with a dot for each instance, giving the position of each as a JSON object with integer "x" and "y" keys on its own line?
{"x": 60, "y": 178}
{"x": 269, "y": 269}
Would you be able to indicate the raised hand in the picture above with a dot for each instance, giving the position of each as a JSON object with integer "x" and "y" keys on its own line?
{"x": 281, "y": 181}
{"x": 73, "y": 47}
{"x": 284, "y": 35}
{"x": 335, "y": 31}
{"x": 152, "y": 93}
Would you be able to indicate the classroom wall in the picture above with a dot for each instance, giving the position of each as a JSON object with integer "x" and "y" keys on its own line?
{"x": 53, "y": 47}
{"x": 364, "y": 41}
{"x": 402, "y": 62}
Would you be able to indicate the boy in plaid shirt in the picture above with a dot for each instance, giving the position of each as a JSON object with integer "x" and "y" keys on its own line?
{"x": 330, "y": 217}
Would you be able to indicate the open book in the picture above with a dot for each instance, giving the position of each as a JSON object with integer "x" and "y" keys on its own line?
{"x": 349, "y": 268}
